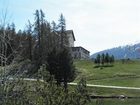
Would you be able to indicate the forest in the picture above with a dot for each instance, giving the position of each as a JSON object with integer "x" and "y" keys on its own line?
{"x": 39, "y": 52}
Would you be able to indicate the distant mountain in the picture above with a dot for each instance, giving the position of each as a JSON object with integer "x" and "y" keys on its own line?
{"x": 121, "y": 52}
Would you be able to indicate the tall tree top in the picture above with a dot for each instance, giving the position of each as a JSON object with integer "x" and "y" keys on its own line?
{"x": 62, "y": 23}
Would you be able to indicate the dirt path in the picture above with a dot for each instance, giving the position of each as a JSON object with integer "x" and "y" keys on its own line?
{"x": 89, "y": 85}
{"x": 105, "y": 86}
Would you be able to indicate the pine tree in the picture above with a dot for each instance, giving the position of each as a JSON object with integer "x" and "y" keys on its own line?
{"x": 98, "y": 58}
{"x": 37, "y": 32}
{"x": 66, "y": 66}
{"x": 40, "y": 33}
{"x": 55, "y": 36}
{"x": 107, "y": 58}
{"x": 29, "y": 39}
{"x": 62, "y": 31}
{"x": 60, "y": 64}
{"x": 112, "y": 59}
{"x": 103, "y": 59}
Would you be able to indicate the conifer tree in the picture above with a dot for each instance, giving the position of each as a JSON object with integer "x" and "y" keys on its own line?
{"x": 62, "y": 31}
{"x": 60, "y": 64}
{"x": 103, "y": 59}
{"x": 98, "y": 59}
{"x": 107, "y": 58}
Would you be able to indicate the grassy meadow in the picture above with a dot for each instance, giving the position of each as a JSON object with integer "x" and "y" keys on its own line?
{"x": 127, "y": 74}
{"x": 115, "y": 102}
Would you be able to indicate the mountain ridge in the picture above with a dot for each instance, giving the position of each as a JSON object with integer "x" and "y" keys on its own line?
{"x": 131, "y": 51}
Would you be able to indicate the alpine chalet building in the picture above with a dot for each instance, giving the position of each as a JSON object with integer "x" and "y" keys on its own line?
{"x": 77, "y": 52}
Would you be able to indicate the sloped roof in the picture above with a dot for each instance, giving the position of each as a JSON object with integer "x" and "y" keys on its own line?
{"x": 77, "y": 47}
{"x": 69, "y": 32}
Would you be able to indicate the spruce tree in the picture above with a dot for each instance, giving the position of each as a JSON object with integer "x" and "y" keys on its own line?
{"x": 66, "y": 66}
{"x": 62, "y": 32}
{"x": 107, "y": 58}
{"x": 112, "y": 59}
{"x": 60, "y": 64}
{"x": 98, "y": 59}
{"x": 103, "y": 59}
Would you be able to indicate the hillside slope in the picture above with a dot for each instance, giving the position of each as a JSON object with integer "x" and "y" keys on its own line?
{"x": 122, "y": 52}
{"x": 127, "y": 74}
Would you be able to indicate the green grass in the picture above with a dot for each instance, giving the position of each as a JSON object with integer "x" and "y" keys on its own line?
{"x": 127, "y": 74}
{"x": 115, "y": 102}
{"x": 113, "y": 92}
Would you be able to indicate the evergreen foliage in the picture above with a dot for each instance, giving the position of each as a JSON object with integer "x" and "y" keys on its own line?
{"x": 41, "y": 43}
{"x": 43, "y": 91}
{"x": 60, "y": 64}
{"x": 40, "y": 51}
{"x": 104, "y": 59}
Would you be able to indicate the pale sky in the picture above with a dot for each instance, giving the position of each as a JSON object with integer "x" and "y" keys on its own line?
{"x": 97, "y": 24}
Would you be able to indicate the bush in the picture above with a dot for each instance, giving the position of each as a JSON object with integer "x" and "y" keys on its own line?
{"x": 21, "y": 92}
